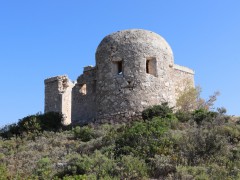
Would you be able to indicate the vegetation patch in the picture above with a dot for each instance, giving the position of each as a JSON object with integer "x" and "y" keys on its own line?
{"x": 165, "y": 144}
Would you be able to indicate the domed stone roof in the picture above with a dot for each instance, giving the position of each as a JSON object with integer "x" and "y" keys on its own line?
{"x": 136, "y": 40}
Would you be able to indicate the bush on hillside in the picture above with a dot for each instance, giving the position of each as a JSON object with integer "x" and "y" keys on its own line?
{"x": 130, "y": 167}
{"x": 9, "y": 131}
{"x": 183, "y": 116}
{"x": 203, "y": 115}
{"x": 43, "y": 169}
{"x": 199, "y": 145}
{"x": 162, "y": 111}
{"x": 3, "y": 172}
{"x": 161, "y": 166}
{"x": 34, "y": 124}
{"x": 51, "y": 121}
{"x": 144, "y": 139}
{"x": 193, "y": 145}
{"x": 84, "y": 133}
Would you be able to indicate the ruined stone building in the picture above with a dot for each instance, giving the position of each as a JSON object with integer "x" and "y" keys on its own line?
{"x": 134, "y": 69}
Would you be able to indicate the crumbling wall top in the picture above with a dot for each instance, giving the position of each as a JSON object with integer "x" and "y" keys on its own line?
{"x": 88, "y": 68}
{"x": 56, "y": 78}
{"x": 63, "y": 82}
{"x": 184, "y": 69}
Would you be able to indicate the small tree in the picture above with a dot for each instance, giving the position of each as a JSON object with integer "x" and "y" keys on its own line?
{"x": 190, "y": 100}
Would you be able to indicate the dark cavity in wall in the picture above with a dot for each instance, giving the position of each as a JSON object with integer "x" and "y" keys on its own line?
{"x": 151, "y": 66}
{"x": 118, "y": 67}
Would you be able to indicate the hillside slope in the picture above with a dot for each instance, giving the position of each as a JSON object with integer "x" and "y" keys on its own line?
{"x": 164, "y": 145}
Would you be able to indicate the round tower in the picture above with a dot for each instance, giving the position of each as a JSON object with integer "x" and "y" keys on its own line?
{"x": 134, "y": 69}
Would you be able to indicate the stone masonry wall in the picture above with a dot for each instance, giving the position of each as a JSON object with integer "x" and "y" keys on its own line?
{"x": 183, "y": 78}
{"x": 83, "y": 97}
{"x": 58, "y": 96}
{"x": 124, "y": 95}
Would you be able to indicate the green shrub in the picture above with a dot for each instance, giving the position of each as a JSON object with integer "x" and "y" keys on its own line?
{"x": 103, "y": 166}
{"x": 231, "y": 131}
{"x": 161, "y": 166}
{"x": 202, "y": 115}
{"x": 212, "y": 171}
{"x": 9, "y": 131}
{"x": 143, "y": 139}
{"x": 130, "y": 167}
{"x": 43, "y": 169}
{"x": 3, "y": 172}
{"x": 162, "y": 111}
{"x": 34, "y": 124}
{"x": 199, "y": 145}
{"x": 192, "y": 172}
{"x": 97, "y": 164}
{"x": 79, "y": 177}
{"x": 84, "y": 133}
{"x": 235, "y": 155}
{"x": 51, "y": 121}
{"x": 29, "y": 124}
{"x": 218, "y": 172}
{"x": 183, "y": 116}
{"x": 79, "y": 165}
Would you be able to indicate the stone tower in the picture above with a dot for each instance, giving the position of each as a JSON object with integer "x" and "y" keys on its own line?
{"x": 58, "y": 96}
{"x": 134, "y": 72}
{"x": 134, "y": 69}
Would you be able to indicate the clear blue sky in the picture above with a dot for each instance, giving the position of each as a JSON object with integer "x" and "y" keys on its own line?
{"x": 40, "y": 39}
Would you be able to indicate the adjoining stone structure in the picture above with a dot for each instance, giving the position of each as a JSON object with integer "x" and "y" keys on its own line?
{"x": 58, "y": 96}
{"x": 134, "y": 69}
